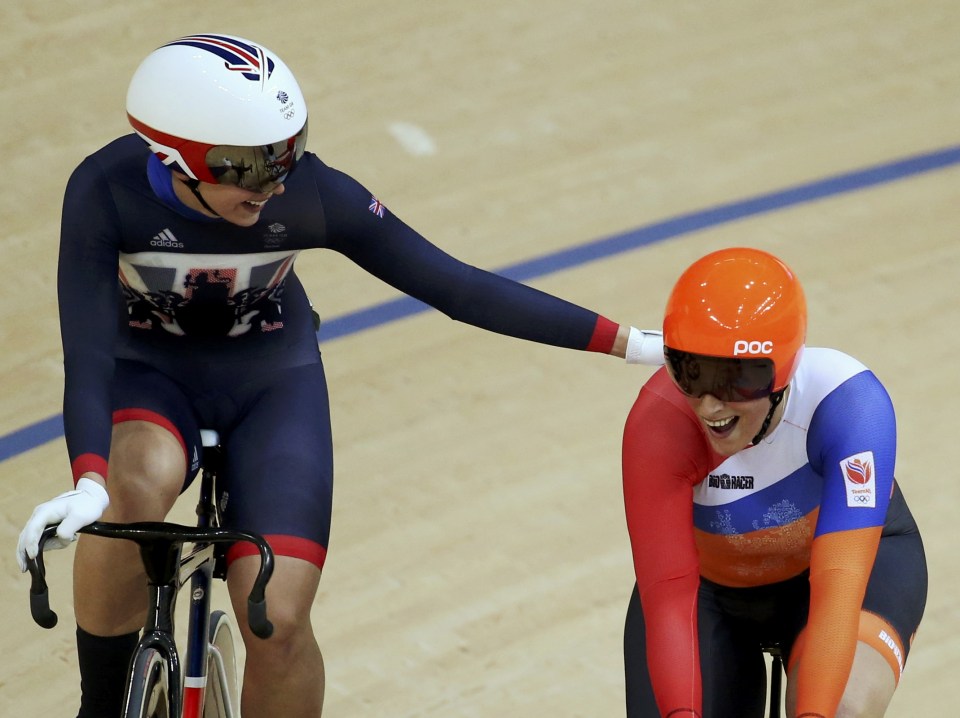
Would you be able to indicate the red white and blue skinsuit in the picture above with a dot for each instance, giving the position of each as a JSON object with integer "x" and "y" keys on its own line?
{"x": 805, "y": 533}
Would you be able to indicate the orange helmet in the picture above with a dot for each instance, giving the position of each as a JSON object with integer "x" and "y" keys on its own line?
{"x": 735, "y": 325}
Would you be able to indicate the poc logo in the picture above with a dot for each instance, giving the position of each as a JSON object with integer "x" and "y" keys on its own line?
{"x": 742, "y": 346}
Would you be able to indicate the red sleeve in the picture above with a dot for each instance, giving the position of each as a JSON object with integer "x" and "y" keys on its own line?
{"x": 664, "y": 456}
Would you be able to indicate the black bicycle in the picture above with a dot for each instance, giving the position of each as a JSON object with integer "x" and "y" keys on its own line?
{"x": 776, "y": 676}
{"x": 206, "y": 686}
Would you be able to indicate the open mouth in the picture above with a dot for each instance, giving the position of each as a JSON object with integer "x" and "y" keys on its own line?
{"x": 722, "y": 427}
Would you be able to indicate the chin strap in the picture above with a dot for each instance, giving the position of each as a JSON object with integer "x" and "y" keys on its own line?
{"x": 194, "y": 185}
{"x": 775, "y": 399}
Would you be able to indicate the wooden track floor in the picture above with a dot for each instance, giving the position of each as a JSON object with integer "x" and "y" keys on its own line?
{"x": 479, "y": 562}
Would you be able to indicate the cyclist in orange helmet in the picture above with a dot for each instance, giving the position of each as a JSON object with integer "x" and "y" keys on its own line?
{"x": 762, "y": 508}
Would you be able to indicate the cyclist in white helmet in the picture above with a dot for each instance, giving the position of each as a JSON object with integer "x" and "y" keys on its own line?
{"x": 209, "y": 326}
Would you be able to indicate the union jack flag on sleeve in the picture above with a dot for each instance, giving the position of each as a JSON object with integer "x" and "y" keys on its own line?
{"x": 376, "y": 206}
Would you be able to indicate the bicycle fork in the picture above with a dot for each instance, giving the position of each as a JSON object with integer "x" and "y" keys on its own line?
{"x": 159, "y": 635}
{"x": 186, "y": 693}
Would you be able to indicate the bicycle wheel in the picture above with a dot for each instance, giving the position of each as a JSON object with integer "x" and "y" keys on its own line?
{"x": 148, "y": 692}
{"x": 222, "y": 698}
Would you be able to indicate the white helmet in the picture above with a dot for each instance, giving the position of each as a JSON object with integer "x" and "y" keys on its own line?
{"x": 220, "y": 109}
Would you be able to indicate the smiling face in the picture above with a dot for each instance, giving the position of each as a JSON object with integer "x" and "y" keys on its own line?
{"x": 731, "y": 426}
{"x": 235, "y": 205}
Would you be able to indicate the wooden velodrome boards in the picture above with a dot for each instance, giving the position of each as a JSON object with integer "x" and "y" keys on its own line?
{"x": 479, "y": 562}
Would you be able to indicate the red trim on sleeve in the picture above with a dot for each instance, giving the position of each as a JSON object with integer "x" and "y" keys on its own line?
{"x": 604, "y": 334}
{"x": 88, "y": 462}
{"x": 293, "y": 546}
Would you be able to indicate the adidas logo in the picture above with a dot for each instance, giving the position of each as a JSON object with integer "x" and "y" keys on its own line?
{"x": 166, "y": 239}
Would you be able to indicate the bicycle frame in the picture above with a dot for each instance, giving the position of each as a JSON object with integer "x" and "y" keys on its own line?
{"x": 198, "y": 645}
{"x": 199, "y": 567}
{"x": 186, "y": 696}
{"x": 168, "y": 570}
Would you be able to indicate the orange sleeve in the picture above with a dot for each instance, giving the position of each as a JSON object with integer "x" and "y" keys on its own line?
{"x": 840, "y": 565}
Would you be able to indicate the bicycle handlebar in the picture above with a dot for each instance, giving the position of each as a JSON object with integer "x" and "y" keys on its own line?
{"x": 148, "y": 532}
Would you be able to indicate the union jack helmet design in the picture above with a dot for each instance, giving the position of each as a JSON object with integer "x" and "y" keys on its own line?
{"x": 221, "y": 109}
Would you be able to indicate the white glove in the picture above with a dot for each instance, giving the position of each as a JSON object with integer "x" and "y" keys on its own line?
{"x": 645, "y": 346}
{"x": 72, "y": 510}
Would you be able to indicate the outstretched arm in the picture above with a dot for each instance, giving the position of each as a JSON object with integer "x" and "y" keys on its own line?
{"x": 389, "y": 249}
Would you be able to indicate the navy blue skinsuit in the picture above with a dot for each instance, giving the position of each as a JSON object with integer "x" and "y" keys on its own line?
{"x": 209, "y": 325}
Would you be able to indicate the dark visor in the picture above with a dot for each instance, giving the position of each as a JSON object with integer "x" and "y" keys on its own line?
{"x": 726, "y": 378}
{"x": 258, "y": 169}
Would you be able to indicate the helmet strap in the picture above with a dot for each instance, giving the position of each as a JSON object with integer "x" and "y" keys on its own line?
{"x": 194, "y": 186}
{"x": 775, "y": 399}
